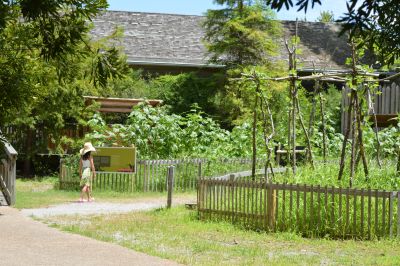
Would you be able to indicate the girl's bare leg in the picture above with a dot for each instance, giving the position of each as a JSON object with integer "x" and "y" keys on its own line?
{"x": 88, "y": 192}
{"x": 82, "y": 192}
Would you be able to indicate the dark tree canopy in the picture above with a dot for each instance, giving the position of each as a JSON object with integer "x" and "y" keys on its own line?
{"x": 56, "y": 25}
{"x": 48, "y": 62}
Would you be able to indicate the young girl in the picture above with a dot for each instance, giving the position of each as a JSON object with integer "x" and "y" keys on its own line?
{"x": 86, "y": 170}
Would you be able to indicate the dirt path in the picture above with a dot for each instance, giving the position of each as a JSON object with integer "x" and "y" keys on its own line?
{"x": 28, "y": 242}
{"x": 100, "y": 207}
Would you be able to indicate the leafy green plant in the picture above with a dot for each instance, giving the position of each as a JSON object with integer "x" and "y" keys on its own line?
{"x": 157, "y": 134}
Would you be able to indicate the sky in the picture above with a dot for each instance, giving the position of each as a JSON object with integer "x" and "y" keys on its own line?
{"x": 199, "y": 7}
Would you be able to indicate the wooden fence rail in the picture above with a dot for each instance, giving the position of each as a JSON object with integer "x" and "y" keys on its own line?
{"x": 8, "y": 173}
{"x": 309, "y": 210}
{"x": 151, "y": 175}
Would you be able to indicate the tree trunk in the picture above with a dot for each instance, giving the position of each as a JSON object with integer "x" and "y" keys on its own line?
{"x": 353, "y": 142}
{"x": 253, "y": 167}
{"x": 378, "y": 143}
{"x": 312, "y": 114}
{"x": 314, "y": 106}
{"x": 289, "y": 137}
{"x": 321, "y": 102}
{"x": 310, "y": 158}
{"x": 346, "y": 137}
{"x": 294, "y": 93}
{"x": 267, "y": 138}
{"x": 360, "y": 137}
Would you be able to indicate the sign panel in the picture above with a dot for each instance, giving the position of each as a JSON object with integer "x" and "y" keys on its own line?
{"x": 115, "y": 159}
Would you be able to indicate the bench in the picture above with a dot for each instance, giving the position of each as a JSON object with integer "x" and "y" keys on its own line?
{"x": 281, "y": 151}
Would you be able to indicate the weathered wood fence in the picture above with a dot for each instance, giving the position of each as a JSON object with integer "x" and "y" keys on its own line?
{"x": 151, "y": 175}
{"x": 8, "y": 173}
{"x": 309, "y": 210}
{"x": 114, "y": 181}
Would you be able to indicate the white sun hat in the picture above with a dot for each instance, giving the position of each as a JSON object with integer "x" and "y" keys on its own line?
{"x": 86, "y": 148}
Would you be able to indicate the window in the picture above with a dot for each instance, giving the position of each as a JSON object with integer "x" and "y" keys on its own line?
{"x": 101, "y": 161}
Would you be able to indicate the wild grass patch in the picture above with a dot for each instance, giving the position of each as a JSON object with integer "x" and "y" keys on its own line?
{"x": 177, "y": 234}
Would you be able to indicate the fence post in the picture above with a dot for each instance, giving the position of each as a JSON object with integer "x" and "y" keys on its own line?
{"x": 232, "y": 205}
{"x": 200, "y": 197}
{"x": 271, "y": 206}
{"x": 61, "y": 173}
{"x": 170, "y": 185}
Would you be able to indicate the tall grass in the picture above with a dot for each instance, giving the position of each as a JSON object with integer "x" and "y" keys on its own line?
{"x": 385, "y": 178}
{"x": 309, "y": 213}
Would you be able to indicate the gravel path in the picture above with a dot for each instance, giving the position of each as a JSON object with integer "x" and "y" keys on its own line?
{"x": 42, "y": 245}
{"x": 90, "y": 208}
{"x": 98, "y": 207}
{"x": 28, "y": 242}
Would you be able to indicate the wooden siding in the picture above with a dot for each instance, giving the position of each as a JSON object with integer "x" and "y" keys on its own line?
{"x": 385, "y": 103}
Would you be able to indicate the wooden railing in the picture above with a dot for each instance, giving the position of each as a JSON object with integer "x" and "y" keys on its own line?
{"x": 309, "y": 210}
{"x": 8, "y": 173}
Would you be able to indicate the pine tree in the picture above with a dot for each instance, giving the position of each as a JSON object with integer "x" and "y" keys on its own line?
{"x": 243, "y": 33}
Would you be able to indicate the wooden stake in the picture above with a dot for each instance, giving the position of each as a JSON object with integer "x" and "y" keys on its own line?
{"x": 378, "y": 143}
{"x": 171, "y": 171}
{"x": 322, "y": 111}
{"x": 253, "y": 166}
{"x": 346, "y": 137}
{"x": 310, "y": 157}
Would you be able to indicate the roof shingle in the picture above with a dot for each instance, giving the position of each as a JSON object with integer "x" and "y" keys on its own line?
{"x": 152, "y": 38}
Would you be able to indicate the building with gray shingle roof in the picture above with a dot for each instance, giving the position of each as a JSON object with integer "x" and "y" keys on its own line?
{"x": 173, "y": 43}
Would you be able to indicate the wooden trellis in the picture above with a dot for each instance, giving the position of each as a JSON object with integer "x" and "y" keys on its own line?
{"x": 355, "y": 113}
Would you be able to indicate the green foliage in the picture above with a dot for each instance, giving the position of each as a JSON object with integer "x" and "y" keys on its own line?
{"x": 57, "y": 27}
{"x": 43, "y": 89}
{"x": 302, "y": 4}
{"x": 181, "y": 91}
{"x": 157, "y": 134}
{"x": 241, "y": 34}
{"x": 151, "y": 130}
{"x": 326, "y": 17}
{"x": 203, "y": 136}
{"x": 133, "y": 85}
{"x": 47, "y": 54}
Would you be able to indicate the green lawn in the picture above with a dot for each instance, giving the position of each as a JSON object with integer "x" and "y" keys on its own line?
{"x": 33, "y": 193}
{"x": 176, "y": 234}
